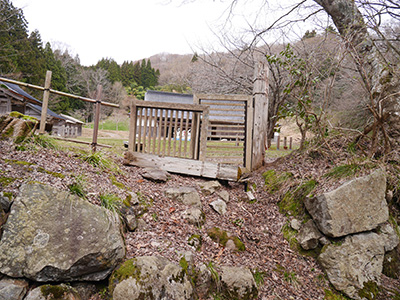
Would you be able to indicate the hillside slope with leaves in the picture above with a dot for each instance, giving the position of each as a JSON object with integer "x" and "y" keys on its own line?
{"x": 262, "y": 225}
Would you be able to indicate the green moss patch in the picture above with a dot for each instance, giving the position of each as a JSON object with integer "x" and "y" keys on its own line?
{"x": 369, "y": 291}
{"x": 55, "y": 174}
{"x": 222, "y": 237}
{"x": 274, "y": 181}
{"x": 292, "y": 202}
{"x": 127, "y": 270}
{"x": 6, "y": 181}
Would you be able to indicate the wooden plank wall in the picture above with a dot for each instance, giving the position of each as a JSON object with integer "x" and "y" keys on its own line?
{"x": 229, "y": 130}
{"x": 168, "y": 129}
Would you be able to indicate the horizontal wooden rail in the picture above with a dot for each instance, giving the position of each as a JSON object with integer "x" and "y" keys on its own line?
{"x": 57, "y": 92}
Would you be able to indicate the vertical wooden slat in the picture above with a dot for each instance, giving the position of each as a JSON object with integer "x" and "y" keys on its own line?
{"x": 165, "y": 131}
{"x": 140, "y": 128}
{"x": 132, "y": 127}
{"x": 155, "y": 129}
{"x": 175, "y": 129}
{"x": 193, "y": 141}
{"x": 203, "y": 135}
{"x": 180, "y": 133}
{"x": 186, "y": 133}
{"x": 45, "y": 102}
{"x": 170, "y": 130}
{"x": 145, "y": 111}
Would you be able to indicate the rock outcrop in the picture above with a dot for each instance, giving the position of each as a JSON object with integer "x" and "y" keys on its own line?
{"x": 13, "y": 289}
{"x": 357, "y": 206}
{"x": 150, "y": 277}
{"x": 51, "y": 235}
{"x": 356, "y": 262}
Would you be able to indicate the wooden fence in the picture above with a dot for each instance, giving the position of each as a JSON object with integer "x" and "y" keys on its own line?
{"x": 168, "y": 129}
{"x": 46, "y": 93}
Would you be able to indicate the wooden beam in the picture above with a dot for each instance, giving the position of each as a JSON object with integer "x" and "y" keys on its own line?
{"x": 79, "y": 142}
{"x": 183, "y": 166}
{"x": 96, "y": 117}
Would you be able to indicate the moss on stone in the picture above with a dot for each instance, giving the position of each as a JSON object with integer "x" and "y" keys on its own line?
{"x": 369, "y": 291}
{"x": 127, "y": 270}
{"x": 222, "y": 237}
{"x": 292, "y": 202}
{"x": 118, "y": 184}
{"x": 391, "y": 264}
{"x": 195, "y": 240}
{"x": 56, "y": 292}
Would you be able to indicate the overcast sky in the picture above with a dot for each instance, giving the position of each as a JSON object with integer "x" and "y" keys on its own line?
{"x": 123, "y": 29}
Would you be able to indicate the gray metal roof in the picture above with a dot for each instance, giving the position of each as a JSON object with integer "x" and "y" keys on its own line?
{"x": 34, "y": 103}
{"x": 158, "y": 96}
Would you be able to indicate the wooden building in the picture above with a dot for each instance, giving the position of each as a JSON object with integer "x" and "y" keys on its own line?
{"x": 13, "y": 98}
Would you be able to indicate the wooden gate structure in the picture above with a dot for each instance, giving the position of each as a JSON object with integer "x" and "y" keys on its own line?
{"x": 218, "y": 136}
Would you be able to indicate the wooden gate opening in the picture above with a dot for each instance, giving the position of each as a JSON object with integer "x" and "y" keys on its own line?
{"x": 229, "y": 132}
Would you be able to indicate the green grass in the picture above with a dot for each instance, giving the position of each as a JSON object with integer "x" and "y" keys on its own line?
{"x": 110, "y": 202}
{"x": 111, "y": 125}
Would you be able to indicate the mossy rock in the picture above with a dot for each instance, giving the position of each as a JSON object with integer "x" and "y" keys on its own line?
{"x": 150, "y": 277}
{"x": 391, "y": 264}
{"x": 370, "y": 290}
{"x": 59, "y": 292}
{"x": 292, "y": 202}
{"x": 222, "y": 237}
{"x": 195, "y": 241}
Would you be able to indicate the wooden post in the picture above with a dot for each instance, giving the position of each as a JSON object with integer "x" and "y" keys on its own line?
{"x": 290, "y": 143}
{"x": 260, "y": 121}
{"x": 285, "y": 143}
{"x": 132, "y": 127}
{"x": 278, "y": 141}
{"x": 96, "y": 117}
{"x": 45, "y": 103}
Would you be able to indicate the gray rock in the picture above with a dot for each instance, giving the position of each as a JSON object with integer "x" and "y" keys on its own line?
{"x": 131, "y": 222}
{"x": 224, "y": 195}
{"x": 357, "y": 206}
{"x": 309, "y": 236}
{"x": 209, "y": 187}
{"x": 186, "y": 195}
{"x": 389, "y": 236}
{"x": 141, "y": 225}
{"x": 238, "y": 283}
{"x": 13, "y": 289}
{"x": 194, "y": 216}
{"x": 357, "y": 261}
{"x": 59, "y": 292}
{"x": 152, "y": 278}
{"x": 295, "y": 224}
{"x": 52, "y": 235}
{"x": 204, "y": 284}
{"x": 5, "y": 202}
{"x": 155, "y": 174}
{"x": 219, "y": 206}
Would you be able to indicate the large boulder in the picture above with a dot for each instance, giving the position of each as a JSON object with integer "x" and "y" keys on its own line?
{"x": 52, "y": 235}
{"x": 150, "y": 277}
{"x": 355, "y": 264}
{"x": 357, "y": 206}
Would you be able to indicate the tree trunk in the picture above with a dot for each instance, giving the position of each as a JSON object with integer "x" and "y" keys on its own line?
{"x": 379, "y": 78}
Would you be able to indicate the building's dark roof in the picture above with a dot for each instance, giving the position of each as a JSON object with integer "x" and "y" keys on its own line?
{"x": 51, "y": 113}
{"x": 34, "y": 103}
{"x": 158, "y": 96}
{"x": 16, "y": 89}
